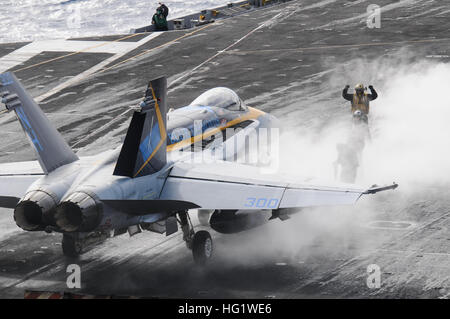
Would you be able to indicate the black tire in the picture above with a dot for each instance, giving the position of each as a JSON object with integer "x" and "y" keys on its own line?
{"x": 71, "y": 247}
{"x": 202, "y": 247}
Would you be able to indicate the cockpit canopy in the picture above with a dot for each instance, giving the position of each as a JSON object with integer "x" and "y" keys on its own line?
{"x": 220, "y": 97}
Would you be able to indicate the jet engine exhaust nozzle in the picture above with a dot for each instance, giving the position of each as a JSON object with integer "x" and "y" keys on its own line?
{"x": 33, "y": 212}
{"x": 79, "y": 213}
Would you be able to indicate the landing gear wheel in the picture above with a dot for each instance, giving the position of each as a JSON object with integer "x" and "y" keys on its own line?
{"x": 202, "y": 247}
{"x": 71, "y": 246}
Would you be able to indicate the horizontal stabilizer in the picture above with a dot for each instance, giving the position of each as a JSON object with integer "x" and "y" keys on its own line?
{"x": 15, "y": 179}
{"x": 8, "y": 201}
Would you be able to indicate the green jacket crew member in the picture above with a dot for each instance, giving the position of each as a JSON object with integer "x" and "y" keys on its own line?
{"x": 159, "y": 20}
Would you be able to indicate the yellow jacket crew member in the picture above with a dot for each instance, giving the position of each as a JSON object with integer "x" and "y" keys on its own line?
{"x": 360, "y": 99}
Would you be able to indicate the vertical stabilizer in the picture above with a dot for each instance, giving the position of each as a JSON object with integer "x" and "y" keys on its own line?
{"x": 51, "y": 149}
{"x": 144, "y": 150}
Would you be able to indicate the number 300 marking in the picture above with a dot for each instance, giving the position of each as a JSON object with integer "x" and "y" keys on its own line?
{"x": 262, "y": 202}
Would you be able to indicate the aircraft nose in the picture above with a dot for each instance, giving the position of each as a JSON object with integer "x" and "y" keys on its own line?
{"x": 79, "y": 213}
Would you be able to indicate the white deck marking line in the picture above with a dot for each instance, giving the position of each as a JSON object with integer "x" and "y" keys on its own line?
{"x": 28, "y": 51}
{"x": 97, "y": 67}
{"x": 266, "y": 23}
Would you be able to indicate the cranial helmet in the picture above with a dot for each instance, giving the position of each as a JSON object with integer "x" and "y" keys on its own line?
{"x": 359, "y": 88}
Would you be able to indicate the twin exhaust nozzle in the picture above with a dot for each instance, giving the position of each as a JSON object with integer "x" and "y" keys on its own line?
{"x": 78, "y": 213}
{"x": 38, "y": 210}
{"x": 34, "y": 211}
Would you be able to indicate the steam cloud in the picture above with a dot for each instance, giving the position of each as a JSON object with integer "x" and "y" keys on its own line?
{"x": 410, "y": 134}
{"x": 409, "y": 125}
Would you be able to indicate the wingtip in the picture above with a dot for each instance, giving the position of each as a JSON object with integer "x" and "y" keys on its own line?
{"x": 375, "y": 188}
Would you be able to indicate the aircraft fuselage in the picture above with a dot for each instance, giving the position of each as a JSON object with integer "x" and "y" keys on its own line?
{"x": 73, "y": 193}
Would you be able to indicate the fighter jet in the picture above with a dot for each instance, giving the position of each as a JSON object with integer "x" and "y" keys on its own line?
{"x": 170, "y": 164}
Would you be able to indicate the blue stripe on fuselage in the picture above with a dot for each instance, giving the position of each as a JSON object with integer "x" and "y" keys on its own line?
{"x": 212, "y": 122}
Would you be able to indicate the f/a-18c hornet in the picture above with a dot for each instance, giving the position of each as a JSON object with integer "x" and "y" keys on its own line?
{"x": 147, "y": 183}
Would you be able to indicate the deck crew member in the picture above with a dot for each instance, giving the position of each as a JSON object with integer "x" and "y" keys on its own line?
{"x": 360, "y": 99}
